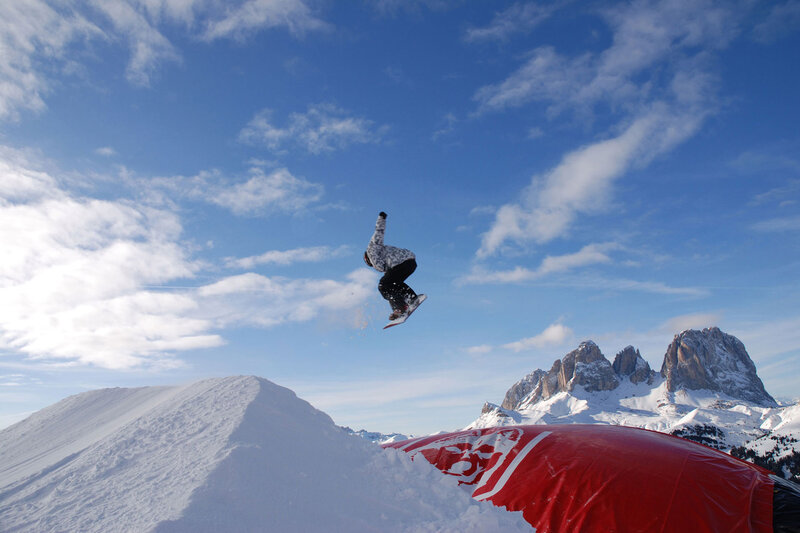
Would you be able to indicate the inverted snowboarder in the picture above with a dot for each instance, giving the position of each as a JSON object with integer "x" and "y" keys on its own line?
{"x": 397, "y": 264}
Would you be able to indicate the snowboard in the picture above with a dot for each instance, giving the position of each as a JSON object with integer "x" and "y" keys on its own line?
{"x": 411, "y": 308}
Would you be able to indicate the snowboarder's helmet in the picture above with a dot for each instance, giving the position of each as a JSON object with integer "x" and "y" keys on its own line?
{"x": 366, "y": 260}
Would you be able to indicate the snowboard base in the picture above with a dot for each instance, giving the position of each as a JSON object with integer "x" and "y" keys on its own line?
{"x": 411, "y": 308}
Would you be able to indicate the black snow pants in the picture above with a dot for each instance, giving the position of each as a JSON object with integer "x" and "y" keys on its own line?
{"x": 393, "y": 287}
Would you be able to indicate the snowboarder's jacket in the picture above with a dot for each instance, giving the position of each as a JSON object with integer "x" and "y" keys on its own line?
{"x": 385, "y": 257}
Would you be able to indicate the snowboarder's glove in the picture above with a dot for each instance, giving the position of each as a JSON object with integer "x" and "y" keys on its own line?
{"x": 382, "y": 214}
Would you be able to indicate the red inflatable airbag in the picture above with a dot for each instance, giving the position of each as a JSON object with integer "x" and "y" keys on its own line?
{"x": 603, "y": 478}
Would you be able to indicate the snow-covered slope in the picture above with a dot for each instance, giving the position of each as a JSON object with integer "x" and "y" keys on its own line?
{"x": 779, "y": 448}
{"x": 707, "y": 391}
{"x": 232, "y": 454}
{"x": 784, "y": 432}
{"x": 686, "y": 413}
{"x": 376, "y": 437}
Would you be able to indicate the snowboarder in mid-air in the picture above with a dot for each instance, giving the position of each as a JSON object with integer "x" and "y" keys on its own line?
{"x": 397, "y": 264}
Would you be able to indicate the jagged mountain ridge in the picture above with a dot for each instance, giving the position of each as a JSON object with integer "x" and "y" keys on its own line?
{"x": 695, "y": 360}
{"x": 375, "y": 436}
{"x": 708, "y": 390}
{"x": 713, "y": 360}
{"x": 586, "y": 367}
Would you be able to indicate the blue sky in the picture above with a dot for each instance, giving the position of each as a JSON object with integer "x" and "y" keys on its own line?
{"x": 187, "y": 187}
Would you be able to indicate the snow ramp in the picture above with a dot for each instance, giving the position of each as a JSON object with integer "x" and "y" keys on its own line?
{"x": 231, "y": 454}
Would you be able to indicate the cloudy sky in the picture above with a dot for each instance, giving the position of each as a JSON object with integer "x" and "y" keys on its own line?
{"x": 187, "y": 186}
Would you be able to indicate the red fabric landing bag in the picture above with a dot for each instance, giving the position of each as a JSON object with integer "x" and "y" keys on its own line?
{"x": 567, "y": 478}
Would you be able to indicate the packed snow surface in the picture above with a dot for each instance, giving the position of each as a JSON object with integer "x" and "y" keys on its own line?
{"x": 233, "y": 454}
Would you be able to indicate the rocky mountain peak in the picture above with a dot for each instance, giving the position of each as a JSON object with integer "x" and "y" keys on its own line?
{"x": 588, "y": 367}
{"x": 713, "y": 360}
{"x": 585, "y": 366}
{"x": 630, "y": 363}
{"x": 523, "y": 388}
{"x": 709, "y": 359}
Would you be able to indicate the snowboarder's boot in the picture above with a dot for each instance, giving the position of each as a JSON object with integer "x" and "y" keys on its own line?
{"x": 397, "y": 313}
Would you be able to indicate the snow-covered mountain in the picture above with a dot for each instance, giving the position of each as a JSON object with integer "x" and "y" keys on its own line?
{"x": 231, "y": 454}
{"x": 713, "y": 360}
{"x": 707, "y": 390}
{"x": 779, "y": 448}
{"x": 376, "y": 437}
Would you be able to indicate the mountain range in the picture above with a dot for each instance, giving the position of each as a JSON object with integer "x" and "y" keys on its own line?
{"x": 707, "y": 390}
{"x": 242, "y": 453}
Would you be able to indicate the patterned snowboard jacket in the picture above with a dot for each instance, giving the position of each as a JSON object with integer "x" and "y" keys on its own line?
{"x": 384, "y": 257}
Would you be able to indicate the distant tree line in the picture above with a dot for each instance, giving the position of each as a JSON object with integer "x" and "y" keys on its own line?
{"x": 787, "y": 467}
{"x": 789, "y": 464}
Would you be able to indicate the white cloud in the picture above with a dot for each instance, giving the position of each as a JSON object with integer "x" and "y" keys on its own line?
{"x": 39, "y": 37}
{"x": 323, "y": 128}
{"x": 590, "y": 254}
{"x": 149, "y": 47}
{"x": 582, "y": 182}
{"x": 74, "y": 272}
{"x": 447, "y": 126}
{"x": 261, "y": 131}
{"x": 553, "y": 335}
{"x": 691, "y": 321}
{"x": 480, "y": 275}
{"x": 519, "y": 17}
{"x": 482, "y": 210}
{"x": 781, "y": 159}
{"x": 269, "y": 301}
{"x": 85, "y": 281}
{"x": 545, "y": 76}
{"x": 34, "y": 31}
{"x": 535, "y": 133}
{"x": 480, "y": 350}
{"x": 773, "y": 340}
{"x": 620, "y": 284}
{"x": 782, "y": 20}
{"x": 656, "y": 76}
{"x": 253, "y": 15}
{"x": 287, "y": 257}
{"x": 769, "y": 163}
{"x": 21, "y": 183}
{"x": 655, "y": 287}
{"x": 645, "y": 34}
{"x": 780, "y": 224}
{"x": 262, "y": 192}
{"x": 278, "y": 191}
{"x": 781, "y": 196}
{"x": 394, "y": 7}
{"x": 105, "y": 151}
